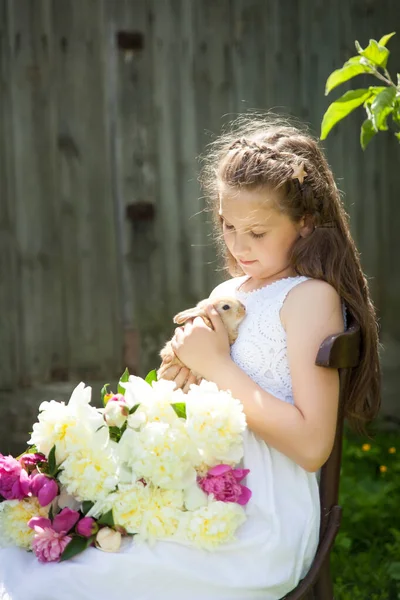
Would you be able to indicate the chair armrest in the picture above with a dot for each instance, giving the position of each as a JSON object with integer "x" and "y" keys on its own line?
{"x": 322, "y": 554}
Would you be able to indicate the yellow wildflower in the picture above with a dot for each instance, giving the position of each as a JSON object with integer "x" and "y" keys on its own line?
{"x": 366, "y": 447}
{"x": 383, "y": 469}
{"x": 392, "y": 450}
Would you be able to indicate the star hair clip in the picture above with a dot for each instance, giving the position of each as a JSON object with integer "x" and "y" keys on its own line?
{"x": 299, "y": 172}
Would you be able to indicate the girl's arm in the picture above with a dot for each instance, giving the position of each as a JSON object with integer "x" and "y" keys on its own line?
{"x": 304, "y": 431}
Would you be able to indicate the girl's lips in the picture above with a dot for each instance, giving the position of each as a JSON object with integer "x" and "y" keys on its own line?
{"x": 247, "y": 262}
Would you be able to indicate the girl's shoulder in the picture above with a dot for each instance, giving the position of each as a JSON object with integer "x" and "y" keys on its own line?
{"x": 313, "y": 297}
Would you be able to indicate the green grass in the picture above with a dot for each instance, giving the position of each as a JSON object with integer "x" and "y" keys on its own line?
{"x": 366, "y": 556}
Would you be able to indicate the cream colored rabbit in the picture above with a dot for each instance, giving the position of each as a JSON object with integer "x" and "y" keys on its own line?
{"x": 231, "y": 311}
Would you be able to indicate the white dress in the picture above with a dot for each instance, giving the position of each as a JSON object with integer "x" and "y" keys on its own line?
{"x": 275, "y": 546}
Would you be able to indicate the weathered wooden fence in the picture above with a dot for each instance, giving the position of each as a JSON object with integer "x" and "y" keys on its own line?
{"x": 104, "y": 107}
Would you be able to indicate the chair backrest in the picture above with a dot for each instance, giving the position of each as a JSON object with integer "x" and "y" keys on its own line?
{"x": 340, "y": 351}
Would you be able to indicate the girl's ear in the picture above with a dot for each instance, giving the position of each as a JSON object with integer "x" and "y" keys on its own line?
{"x": 306, "y": 226}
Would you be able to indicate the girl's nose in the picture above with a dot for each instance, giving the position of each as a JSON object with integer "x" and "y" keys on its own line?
{"x": 240, "y": 244}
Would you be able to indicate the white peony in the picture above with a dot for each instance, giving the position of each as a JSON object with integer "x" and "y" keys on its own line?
{"x": 212, "y": 525}
{"x": 129, "y": 504}
{"x": 90, "y": 473}
{"x": 215, "y": 422}
{"x": 69, "y": 427}
{"x": 162, "y": 515}
{"x": 154, "y": 401}
{"x": 161, "y": 453}
{"x": 14, "y": 518}
{"x": 194, "y": 497}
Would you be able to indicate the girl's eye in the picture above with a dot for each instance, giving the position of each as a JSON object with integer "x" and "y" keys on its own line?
{"x": 257, "y": 235}
{"x": 229, "y": 227}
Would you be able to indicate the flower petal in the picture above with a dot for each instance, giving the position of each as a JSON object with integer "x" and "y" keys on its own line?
{"x": 244, "y": 496}
{"x": 65, "y": 520}
{"x": 240, "y": 474}
{"x": 219, "y": 470}
{"x": 39, "y": 522}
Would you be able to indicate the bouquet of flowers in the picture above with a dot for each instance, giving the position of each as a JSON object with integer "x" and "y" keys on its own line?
{"x": 154, "y": 463}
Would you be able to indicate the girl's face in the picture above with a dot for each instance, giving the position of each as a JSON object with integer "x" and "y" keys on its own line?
{"x": 256, "y": 233}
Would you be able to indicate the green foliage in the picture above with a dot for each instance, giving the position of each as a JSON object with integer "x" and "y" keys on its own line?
{"x": 107, "y": 519}
{"x": 77, "y": 545}
{"x": 378, "y": 102}
{"x": 52, "y": 465}
{"x": 104, "y": 392}
{"x": 151, "y": 376}
{"x": 86, "y": 506}
{"x": 180, "y": 409}
{"x": 366, "y": 556}
{"x": 123, "y": 379}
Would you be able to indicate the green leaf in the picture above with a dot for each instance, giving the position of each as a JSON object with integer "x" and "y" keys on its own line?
{"x": 51, "y": 513}
{"x": 77, "y": 545}
{"x": 384, "y": 40}
{"x": 107, "y": 519}
{"x": 104, "y": 392}
{"x": 86, "y": 506}
{"x": 116, "y": 432}
{"x": 394, "y": 570}
{"x": 134, "y": 409}
{"x": 350, "y": 69}
{"x": 375, "y": 53}
{"x": 151, "y": 376}
{"x": 382, "y": 106}
{"x": 342, "y": 107}
{"x": 367, "y": 133}
{"x": 52, "y": 461}
{"x": 396, "y": 112}
{"x": 180, "y": 409}
{"x": 124, "y": 378}
{"x": 398, "y": 136}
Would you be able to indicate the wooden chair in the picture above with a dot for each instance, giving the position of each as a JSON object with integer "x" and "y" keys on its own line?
{"x": 341, "y": 351}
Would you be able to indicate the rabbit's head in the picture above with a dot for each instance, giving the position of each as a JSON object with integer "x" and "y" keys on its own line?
{"x": 231, "y": 311}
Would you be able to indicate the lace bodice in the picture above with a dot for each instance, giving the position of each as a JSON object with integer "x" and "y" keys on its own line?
{"x": 260, "y": 349}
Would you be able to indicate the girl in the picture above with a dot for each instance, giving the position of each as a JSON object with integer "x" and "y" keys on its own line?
{"x": 286, "y": 242}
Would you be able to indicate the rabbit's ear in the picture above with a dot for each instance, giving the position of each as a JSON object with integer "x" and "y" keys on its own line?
{"x": 190, "y": 313}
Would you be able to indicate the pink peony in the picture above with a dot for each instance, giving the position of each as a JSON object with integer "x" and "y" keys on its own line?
{"x": 116, "y": 411}
{"x": 87, "y": 527}
{"x": 62, "y": 522}
{"x": 224, "y": 483}
{"x": 14, "y": 480}
{"x": 44, "y": 487}
{"x": 30, "y": 460}
{"x": 48, "y": 545}
{"x": 51, "y": 539}
{"x": 118, "y": 398}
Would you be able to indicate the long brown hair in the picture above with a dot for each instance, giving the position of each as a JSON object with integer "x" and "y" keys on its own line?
{"x": 260, "y": 152}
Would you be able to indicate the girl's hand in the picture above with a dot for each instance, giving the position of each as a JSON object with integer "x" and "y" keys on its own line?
{"x": 200, "y": 348}
{"x": 182, "y": 376}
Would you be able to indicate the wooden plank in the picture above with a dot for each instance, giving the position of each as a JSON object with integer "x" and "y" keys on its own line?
{"x": 191, "y": 203}
{"x": 165, "y": 95}
{"x": 92, "y": 312}
{"x": 215, "y": 100}
{"x": 9, "y": 297}
{"x": 135, "y": 173}
{"x": 35, "y": 193}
